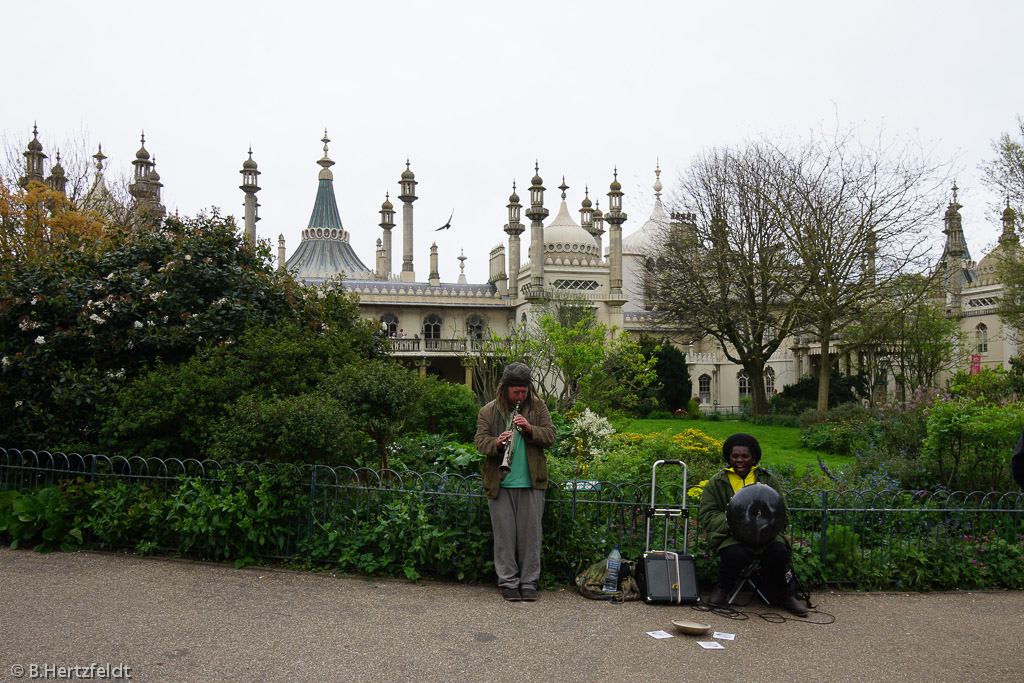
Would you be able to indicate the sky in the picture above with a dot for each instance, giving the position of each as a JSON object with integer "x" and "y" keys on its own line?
{"x": 474, "y": 93}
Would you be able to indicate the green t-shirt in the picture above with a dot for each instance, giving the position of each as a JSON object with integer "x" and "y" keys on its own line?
{"x": 519, "y": 474}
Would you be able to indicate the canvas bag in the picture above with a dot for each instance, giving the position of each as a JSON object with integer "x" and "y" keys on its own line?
{"x": 590, "y": 582}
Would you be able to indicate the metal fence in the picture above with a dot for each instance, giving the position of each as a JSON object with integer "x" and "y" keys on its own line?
{"x": 872, "y": 538}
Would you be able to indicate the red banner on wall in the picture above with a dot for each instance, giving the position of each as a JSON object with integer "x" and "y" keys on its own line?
{"x": 975, "y": 365}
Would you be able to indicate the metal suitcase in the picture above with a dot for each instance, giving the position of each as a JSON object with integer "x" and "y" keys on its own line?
{"x": 668, "y": 578}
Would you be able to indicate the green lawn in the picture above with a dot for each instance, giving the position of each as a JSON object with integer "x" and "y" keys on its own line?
{"x": 779, "y": 445}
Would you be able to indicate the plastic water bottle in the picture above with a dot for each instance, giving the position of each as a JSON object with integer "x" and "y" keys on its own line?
{"x": 611, "y": 577}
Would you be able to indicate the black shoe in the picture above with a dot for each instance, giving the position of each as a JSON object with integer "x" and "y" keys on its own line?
{"x": 793, "y": 605}
{"x": 719, "y": 596}
{"x": 512, "y": 594}
{"x": 528, "y": 594}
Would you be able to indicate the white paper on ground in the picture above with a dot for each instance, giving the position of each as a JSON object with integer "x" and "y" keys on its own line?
{"x": 713, "y": 645}
{"x": 659, "y": 634}
{"x": 723, "y": 636}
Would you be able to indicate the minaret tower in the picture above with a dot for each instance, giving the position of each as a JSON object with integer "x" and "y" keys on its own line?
{"x": 435, "y": 276}
{"x": 387, "y": 224}
{"x": 514, "y": 229}
{"x": 536, "y": 214}
{"x": 587, "y": 216}
{"x": 57, "y": 180}
{"x": 250, "y": 186}
{"x": 615, "y": 218}
{"x": 1009, "y": 231}
{"x": 33, "y": 160}
{"x": 146, "y": 184}
{"x": 954, "y": 256}
{"x": 408, "y": 196}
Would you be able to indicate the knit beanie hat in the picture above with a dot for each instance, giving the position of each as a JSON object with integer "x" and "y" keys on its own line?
{"x": 741, "y": 439}
{"x": 516, "y": 375}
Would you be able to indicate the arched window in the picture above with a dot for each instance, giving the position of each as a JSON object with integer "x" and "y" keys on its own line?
{"x": 432, "y": 327}
{"x": 744, "y": 381}
{"x": 523, "y": 319}
{"x": 769, "y": 380}
{"x": 981, "y": 337}
{"x": 389, "y": 324}
{"x": 704, "y": 388}
{"x": 475, "y": 327}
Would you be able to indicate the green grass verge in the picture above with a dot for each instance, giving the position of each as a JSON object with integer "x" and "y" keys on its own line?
{"x": 779, "y": 445}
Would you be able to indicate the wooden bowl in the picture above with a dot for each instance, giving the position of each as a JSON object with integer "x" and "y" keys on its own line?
{"x": 692, "y": 628}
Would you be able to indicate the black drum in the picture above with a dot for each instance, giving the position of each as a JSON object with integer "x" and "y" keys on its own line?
{"x": 755, "y": 514}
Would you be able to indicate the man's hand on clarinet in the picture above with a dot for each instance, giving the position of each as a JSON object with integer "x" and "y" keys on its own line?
{"x": 523, "y": 424}
{"x": 503, "y": 437}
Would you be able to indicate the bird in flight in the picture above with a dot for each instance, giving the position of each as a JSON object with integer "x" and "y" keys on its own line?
{"x": 448, "y": 224}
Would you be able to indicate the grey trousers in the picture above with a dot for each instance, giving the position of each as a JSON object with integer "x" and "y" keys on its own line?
{"x": 516, "y": 522}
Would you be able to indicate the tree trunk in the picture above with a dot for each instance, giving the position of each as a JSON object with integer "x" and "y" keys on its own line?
{"x": 759, "y": 400}
{"x": 825, "y": 367}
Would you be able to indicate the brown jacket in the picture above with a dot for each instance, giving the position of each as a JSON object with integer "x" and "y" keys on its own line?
{"x": 490, "y": 423}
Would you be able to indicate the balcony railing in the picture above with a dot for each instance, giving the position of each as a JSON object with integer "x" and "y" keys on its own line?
{"x": 435, "y": 345}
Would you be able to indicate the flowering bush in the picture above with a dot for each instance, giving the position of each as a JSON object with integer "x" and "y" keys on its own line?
{"x": 76, "y": 327}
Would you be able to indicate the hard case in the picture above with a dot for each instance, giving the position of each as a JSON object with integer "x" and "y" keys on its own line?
{"x": 667, "y": 577}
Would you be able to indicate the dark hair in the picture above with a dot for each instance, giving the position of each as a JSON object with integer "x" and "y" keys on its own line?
{"x": 741, "y": 439}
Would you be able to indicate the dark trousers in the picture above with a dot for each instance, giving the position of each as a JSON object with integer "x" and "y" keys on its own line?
{"x": 733, "y": 559}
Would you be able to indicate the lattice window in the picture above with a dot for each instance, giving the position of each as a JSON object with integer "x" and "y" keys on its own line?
{"x": 390, "y": 324}
{"x": 475, "y": 327}
{"x": 576, "y": 285}
{"x": 744, "y": 381}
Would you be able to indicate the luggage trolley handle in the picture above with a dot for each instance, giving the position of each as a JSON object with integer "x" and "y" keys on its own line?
{"x": 653, "y": 511}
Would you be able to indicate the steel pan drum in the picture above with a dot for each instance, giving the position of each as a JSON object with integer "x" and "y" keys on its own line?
{"x": 755, "y": 514}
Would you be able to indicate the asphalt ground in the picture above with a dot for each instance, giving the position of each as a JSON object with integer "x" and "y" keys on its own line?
{"x": 179, "y": 620}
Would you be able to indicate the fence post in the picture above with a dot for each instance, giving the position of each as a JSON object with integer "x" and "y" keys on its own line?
{"x": 92, "y": 468}
{"x": 312, "y": 502}
{"x": 824, "y": 525}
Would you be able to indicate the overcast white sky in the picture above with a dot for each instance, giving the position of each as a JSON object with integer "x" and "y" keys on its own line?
{"x": 473, "y": 92}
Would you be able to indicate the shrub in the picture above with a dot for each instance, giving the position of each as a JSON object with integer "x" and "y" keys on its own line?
{"x": 969, "y": 443}
{"x": 444, "y": 408}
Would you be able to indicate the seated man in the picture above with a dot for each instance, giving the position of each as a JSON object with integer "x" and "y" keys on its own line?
{"x": 742, "y": 453}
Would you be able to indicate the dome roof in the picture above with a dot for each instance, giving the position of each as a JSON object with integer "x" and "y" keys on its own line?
{"x": 644, "y": 240}
{"x": 988, "y": 267}
{"x": 249, "y": 164}
{"x": 387, "y": 205}
{"x": 566, "y": 243}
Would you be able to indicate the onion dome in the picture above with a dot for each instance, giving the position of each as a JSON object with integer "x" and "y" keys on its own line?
{"x": 154, "y": 177}
{"x": 644, "y": 240}
{"x": 407, "y": 174}
{"x": 586, "y": 204}
{"x": 537, "y": 180}
{"x": 34, "y": 145}
{"x": 566, "y": 242}
{"x": 513, "y": 198}
{"x": 249, "y": 164}
{"x": 387, "y": 205}
{"x": 142, "y": 154}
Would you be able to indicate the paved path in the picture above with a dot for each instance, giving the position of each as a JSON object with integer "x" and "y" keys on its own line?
{"x": 177, "y": 620}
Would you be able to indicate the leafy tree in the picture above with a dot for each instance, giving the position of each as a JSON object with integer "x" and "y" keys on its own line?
{"x": 672, "y": 387}
{"x": 918, "y": 341}
{"x": 36, "y": 222}
{"x": 723, "y": 272}
{"x": 379, "y": 397}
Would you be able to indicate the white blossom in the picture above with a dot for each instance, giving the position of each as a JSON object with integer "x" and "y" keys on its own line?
{"x": 40, "y": 340}
{"x": 110, "y": 276}
{"x": 151, "y": 323}
{"x": 188, "y": 257}
{"x": 17, "y": 404}
{"x": 34, "y": 300}
{"x": 138, "y": 324}
{"x": 6, "y": 361}
{"x": 97, "y": 319}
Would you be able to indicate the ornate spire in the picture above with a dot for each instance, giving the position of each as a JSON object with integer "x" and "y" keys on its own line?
{"x": 100, "y": 157}
{"x": 563, "y": 187}
{"x": 657, "y": 181}
{"x": 325, "y": 162}
{"x": 33, "y": 159}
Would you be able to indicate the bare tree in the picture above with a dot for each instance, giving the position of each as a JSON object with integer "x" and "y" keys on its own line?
{"x": 1004, "y": 173}
{"x": 857, "y": 218}
{"x": 724, "y": 270}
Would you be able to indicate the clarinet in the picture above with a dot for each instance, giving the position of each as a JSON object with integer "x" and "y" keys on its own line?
{"x": 506, "y": 462}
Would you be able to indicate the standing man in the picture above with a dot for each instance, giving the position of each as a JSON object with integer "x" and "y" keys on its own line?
{"x": 516, "y": 499}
